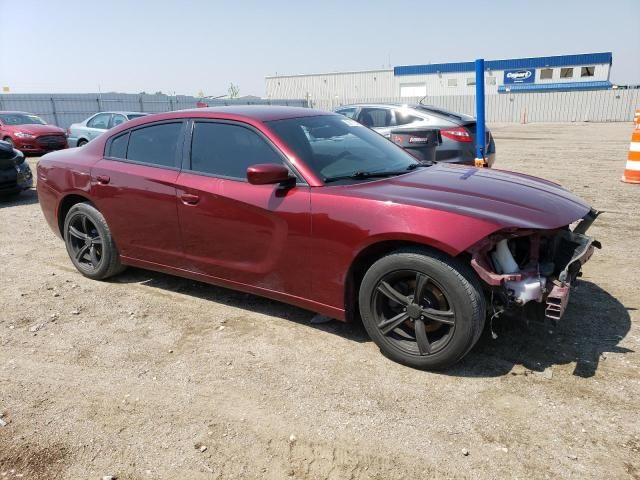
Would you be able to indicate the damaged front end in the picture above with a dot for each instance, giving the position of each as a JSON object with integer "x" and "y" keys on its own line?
{"x": 533, "y": 269}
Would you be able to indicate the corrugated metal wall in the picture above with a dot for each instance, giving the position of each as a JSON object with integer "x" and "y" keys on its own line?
{"x": 65, "y": 109}
{"x": 581, "y": 106}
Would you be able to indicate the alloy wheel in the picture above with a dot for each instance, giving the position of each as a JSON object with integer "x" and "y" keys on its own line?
{"x": 413, "y": 312}
{"x": 85, "y": 242}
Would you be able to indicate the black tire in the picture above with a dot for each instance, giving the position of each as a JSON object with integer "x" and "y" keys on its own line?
{"x": 448, "y": 317}
{"x": 82, "y": 142}
{"x": 9, "y": 141}
{"x": 89, "y": 242}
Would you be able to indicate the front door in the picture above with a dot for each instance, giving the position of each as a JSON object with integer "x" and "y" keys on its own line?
{"x": 253, "y": 235}
{"x": 134, "y": 186}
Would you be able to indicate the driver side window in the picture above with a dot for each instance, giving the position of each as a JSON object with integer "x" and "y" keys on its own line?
{"x": 227, "y": 150}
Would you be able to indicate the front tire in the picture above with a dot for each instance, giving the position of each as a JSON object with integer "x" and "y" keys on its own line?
{"x": 422, "y": 308}
{"x": 9, "y": 141}
{"x": 82, "y": 143}
{"x": 89, "y": 243}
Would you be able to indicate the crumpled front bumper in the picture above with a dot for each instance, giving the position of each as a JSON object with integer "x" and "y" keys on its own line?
{"x": 549, "y": 272}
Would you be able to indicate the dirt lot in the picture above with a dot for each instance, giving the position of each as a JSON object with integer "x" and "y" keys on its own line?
{"x": 132, "y": 377}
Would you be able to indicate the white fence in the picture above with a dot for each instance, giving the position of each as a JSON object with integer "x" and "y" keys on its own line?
{"x": 583, "y": 106}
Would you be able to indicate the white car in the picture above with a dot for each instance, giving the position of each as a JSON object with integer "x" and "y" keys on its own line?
{"x": 81, "y": 133}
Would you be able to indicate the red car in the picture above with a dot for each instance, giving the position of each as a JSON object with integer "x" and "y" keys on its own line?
{"x": 313, "y": 209}
{"x": 31, "y": 134}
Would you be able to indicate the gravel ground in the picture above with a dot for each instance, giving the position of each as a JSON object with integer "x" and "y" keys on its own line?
{"x": 149, "y": 376}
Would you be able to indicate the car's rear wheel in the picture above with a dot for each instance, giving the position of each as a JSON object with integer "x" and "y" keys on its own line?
{"x": 82, "y": 142}
{"x": 89, "y": 242}
{"x": 422, "y": 308}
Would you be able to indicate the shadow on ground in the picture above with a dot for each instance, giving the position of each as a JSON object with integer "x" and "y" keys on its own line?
{"x": 593, "y": 325}
{"x": 28, "y": 197}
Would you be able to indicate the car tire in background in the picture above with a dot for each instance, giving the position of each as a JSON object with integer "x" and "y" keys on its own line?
{"x": 422, "y": 308}
{"x": 9, "y": 141}
{"x": 82, "y": 143}
{"x": 90, "y": 244}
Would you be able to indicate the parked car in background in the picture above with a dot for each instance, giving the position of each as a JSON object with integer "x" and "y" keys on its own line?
{"x": 457, "y": 129}
{"x": 31, "y": 134}
{"x": 94, "y": 126}
{"x": 15, "y": 174}
{"x": 314, "y": 209}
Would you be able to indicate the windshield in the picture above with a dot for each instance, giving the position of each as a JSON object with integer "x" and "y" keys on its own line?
{"x": 21, "y": 119}
{"x": 336, "y": 147}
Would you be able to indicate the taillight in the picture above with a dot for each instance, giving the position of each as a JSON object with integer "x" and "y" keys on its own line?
{"x": 457, "y": 134}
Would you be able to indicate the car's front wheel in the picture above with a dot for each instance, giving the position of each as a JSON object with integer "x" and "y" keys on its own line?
{"x": 422, "y": 308}
{"x": 89, "y": 242}
{"x": 9, "y": 141}
{"x": 82, "y": 142}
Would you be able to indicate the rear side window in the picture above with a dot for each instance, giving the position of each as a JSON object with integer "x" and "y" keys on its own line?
{"x": 100, "y": 121}
{"x": 156, "y": 145}
{"x": 404, "y": 118}
{"x": 375, "y": 117}
{"x": 228, "y": 150}
{"x": 118, "y": 147}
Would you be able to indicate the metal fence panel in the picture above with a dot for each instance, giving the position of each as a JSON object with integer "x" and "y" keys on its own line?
{"x": 65, "y": 109}
{"x": 616, "y": 105}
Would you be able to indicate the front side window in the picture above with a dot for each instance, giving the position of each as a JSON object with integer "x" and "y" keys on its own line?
{"x": 155, "y": 145}
{"x": 100, "y": 121}
{"x": 335, "y": 147}
{"x": 228, "y": 150}
{"x": 566, "y": 73}
{"x": 375, "y": 117}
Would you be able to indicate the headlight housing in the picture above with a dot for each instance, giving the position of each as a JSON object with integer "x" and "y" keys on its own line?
{"x": 24, "y": 135}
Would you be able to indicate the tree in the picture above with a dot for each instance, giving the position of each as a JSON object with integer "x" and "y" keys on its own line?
{"x": 234, "y": 91}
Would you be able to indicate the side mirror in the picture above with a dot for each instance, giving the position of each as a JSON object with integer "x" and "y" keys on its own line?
{"x": 267, "y": 174}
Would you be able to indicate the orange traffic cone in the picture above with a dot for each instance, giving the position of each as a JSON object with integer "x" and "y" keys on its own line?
{"x": 632, "y": 169}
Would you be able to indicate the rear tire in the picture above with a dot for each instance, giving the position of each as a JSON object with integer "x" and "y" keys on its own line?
{"x": 422, "y": 308}
{"x": 89, "y": 243}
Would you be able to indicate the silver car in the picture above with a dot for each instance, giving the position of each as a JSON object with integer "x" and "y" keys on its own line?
{"x": 457, "y": 129}
{"x": 94, "y": 126}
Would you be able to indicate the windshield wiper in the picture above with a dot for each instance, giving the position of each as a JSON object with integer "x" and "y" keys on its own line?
{"x": 361, "y": 175}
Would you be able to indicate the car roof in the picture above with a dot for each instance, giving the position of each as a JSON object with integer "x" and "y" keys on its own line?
{"x": 261, "y": 113}
{"x": 419, "y": 107}
{"x": 11, "y": 112}
{"x": 122, "y": 112}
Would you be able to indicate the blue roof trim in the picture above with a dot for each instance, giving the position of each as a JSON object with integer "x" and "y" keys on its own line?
{"x": 555, "y": 87}
{"x": 516, "y": 63}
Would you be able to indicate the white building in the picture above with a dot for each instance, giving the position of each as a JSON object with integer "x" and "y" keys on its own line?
{"x": 588, "y": 71}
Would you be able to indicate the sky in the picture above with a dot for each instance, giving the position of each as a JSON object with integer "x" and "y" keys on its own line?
{"x": 190, "y": 46}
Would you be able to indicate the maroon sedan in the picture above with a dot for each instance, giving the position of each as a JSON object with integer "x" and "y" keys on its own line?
{"x": 31, "y": 134}
{"x": 313, "y": 209}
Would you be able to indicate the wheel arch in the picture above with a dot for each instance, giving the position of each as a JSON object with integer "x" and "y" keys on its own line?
{"x": 65, "y": 205}
{"x": 367, "y": 257}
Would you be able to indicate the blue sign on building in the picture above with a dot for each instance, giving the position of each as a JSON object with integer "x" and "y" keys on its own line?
{"x": 524, "y": 75}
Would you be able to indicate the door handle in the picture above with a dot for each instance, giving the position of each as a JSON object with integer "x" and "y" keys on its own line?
{"x": 189, "y": 198}
{"x": 103, "y": 179}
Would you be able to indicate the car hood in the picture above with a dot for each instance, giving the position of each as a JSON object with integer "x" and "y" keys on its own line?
{"x": 505, "y": 198}
{"x": 36, "y": 129}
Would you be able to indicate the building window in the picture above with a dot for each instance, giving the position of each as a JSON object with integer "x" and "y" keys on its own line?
{"x": 471, "y": 81}
{"x": 490, "y": 80}
{"x": 546, "y": 73}
{"x": 413, "y": 90}
{"x": 452, "y": 82}
{"x": 587, "y": 71}
{"x": 566, "y": 73}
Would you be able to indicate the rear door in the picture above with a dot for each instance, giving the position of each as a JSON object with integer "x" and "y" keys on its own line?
{"x": 134, "y": 186}
{"x": 248, "y": 234}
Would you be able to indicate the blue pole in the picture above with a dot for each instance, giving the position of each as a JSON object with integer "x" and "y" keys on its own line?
{"x": 480, "y": 127}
